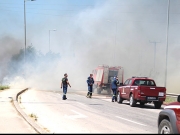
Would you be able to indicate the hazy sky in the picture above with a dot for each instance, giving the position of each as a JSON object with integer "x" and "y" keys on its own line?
{"x": 93, "y": 32}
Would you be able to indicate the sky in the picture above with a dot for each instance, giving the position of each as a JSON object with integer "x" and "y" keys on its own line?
{"x": 93, "y": 32}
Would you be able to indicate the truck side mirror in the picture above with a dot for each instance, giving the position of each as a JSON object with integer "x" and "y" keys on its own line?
{"x": 121, "y": 84}
{"x": 178, "y": 98}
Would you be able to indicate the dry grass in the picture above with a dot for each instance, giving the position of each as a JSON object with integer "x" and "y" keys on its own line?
{"x": 47, "y": 129}
{"x": 170, "y": 100}
{"x": 4, "y": 87}
{"x": 19, "y": 99}
{"x": 33, "y": 116}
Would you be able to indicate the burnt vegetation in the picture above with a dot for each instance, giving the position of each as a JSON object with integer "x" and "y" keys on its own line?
{"x": 32, "y": 62}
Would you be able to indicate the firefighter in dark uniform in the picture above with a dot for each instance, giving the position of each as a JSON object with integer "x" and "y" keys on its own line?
{"x": 64, "y": 84}
{"x": 90, "y": 82}
{"x": 114, "y": 84}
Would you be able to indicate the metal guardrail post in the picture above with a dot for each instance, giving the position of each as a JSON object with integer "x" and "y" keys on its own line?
{"x": 172, "y": 94}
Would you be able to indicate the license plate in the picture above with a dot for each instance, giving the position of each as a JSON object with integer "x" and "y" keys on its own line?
{"x": 151, "y": 98}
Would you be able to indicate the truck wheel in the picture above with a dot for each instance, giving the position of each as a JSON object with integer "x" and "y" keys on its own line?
{"x": 95, "y": 87}
{"x": 109, "y": 92}
{"x": 98, "y": 91}
{"x": 142, "y": 103}
{"x": 157, "y": 105}
{"x": 132, "y": 101}
{"x": 165, "y": 127}
{"x": 119, "y": 99}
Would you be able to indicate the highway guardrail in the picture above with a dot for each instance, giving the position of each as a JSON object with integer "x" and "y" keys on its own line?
{"x": 172, "y": 95}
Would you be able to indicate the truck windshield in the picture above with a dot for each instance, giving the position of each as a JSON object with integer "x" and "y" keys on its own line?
{"x": 112, "y": 73}
{"x": 144, "y": 82}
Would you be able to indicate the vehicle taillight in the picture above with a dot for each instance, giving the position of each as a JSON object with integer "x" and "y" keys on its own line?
{"x": 139, "y": 93}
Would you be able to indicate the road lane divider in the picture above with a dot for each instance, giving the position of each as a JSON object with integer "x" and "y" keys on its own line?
{"x": 81, "y": 104}
{"x": 131, "y": 121}
{"x": 76, "y": 116}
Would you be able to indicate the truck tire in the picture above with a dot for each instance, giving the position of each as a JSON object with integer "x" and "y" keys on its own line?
{"x": 119, "y": 99}
{"x": 165, "y": 127}
{"x": 157, "y": 104}
{"x": 142, "y": 103}
{"x": 109, "y": 92}
{"x": 95, "y": 88}
{"x": 98, "y": 90}
{"x": 132, "y": 101}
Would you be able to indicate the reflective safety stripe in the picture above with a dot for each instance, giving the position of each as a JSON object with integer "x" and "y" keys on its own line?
{"x": 89, "y": 92}
{"x": 172, "y": 107}
{"x": 114, "y": 95}
{"x": 64, "y": 94}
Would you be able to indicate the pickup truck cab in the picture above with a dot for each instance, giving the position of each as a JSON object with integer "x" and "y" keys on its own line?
{"x": 169, "y": 119}
{"x": 142, "y": 90}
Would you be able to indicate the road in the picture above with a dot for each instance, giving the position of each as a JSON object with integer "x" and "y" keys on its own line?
{"x": 79, "y": 114}
{"x": 10, "y": 120}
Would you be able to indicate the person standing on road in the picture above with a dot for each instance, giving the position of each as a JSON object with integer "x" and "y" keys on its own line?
{"x": 114, "y": 84}
{"x": 64, "y": 84}
{"x": 90, "y": 82}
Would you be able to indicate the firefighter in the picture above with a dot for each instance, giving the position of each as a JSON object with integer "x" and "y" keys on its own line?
{"x": 114, "y": 84}
{"x": 64, "y": 84}
{"x": 90, "y": 82}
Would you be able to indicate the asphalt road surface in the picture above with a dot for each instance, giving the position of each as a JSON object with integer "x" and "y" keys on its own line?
{"x": 11, "y": 121}
{"x": 79, "y": 114}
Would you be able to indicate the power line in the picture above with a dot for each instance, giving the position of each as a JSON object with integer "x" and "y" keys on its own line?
{"x": 60, "y": 10}
{"x": 45, "y": 9}
{"x": 154, "y": 42}
{"x": 111, "y": 12}
{"x": 47, "y": 4}
{"x": 43, "y": 14}
{"x": 80, "y": 4}
{"x": 106, "y": 19}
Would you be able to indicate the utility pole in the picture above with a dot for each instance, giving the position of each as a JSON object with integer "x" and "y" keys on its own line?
{"x": 140, "y": 62}
{"x": 25, "y": 31}
{"x": 115, "y": 40}
{"x": 115, "y": 45}
{"x": 167, "y": 41}
{"x": 154, "y": 53}
{"x": 49, "y": 38}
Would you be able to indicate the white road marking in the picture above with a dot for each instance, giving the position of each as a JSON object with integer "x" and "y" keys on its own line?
{"x": 81, "y": 103}
{"x": 5, "y": 99}
{"x": 131, "y": 121}
{"x": 78, "y": 95}
{"x": 77, "y": 116}
{"x": 109, "y": 100}
{"x": 172, "y": 107}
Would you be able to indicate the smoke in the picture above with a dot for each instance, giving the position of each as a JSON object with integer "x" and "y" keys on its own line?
{"x": 116, "y": 33}
{"x": 9, "y": 47}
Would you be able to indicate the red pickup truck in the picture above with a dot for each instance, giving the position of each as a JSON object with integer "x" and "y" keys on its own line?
{"x": 142, "y": 90}
{"x": 169, "y": 118}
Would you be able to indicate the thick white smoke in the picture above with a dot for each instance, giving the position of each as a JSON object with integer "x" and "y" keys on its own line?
{"x": 113, "y": 33}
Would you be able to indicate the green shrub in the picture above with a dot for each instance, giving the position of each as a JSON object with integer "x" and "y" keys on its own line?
{"x": 4, "y": 87}
{"x": 170, "y": 100}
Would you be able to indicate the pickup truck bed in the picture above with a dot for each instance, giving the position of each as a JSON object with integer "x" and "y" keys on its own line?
{"x": 142, "y": 90}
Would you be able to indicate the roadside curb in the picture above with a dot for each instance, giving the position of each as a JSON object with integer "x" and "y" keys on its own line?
{"x": 165, "y": 103}
{"x": 33, "y": 124}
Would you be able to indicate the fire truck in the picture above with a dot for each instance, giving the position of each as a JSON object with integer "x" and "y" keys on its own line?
{"x": 103, "y": 75}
